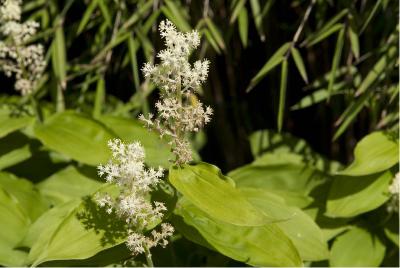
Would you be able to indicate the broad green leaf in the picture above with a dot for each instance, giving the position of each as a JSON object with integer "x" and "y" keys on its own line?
{"x": 236, "y": 11}
{"x": 392, "y": 229}
{"x": 67, "y": 184}
{"x": 374, "y": 153}
{"x": 298, "y": 60}
{"x": 351, "y": 196}
{"x": 243, "y": 24}
{"x": 357, "y": 247}
{"x": 10, "y": 124}
{"x": 263, "y": 245}
{"x": 15, "y": 156}
{"x": 25, "y": 194}
{"x": 282, "y": 93}
{"x": 380, "y": 66}
{"x": 85, "y": 231}
{"x": 275, "y": 59}
{"x": 40, "y": 231}
{"x": 75, "y": 136}
{"x": 205, "y": 186}
{"x": 298, "y": 226}
{"x": 13, "y": 226}
{"x": 284, "y": 176}
{"x": 336, "y": 59}
{"x": 129, "y": 130}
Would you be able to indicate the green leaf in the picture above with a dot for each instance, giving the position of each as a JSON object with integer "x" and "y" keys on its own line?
{"x": 282, "y": 93}
{"x": 25, "y": 193}
{"x": 275, "y": 59}
{"x": 216, "y": 34}
{"x": 298, "y": 226}
{"x": 205, "y": 186}
{"x": 104, "y": 11}
{"x": 67, "y": 184}
{"x": 86, "y": 16}
{"x": 317, "y": 97}
{"x": 371, "y": 15}
{"x": 323, "y": 35}
{"x": 75, "y": 136}
{"x": 82, "y": 233}
{"x": 243, "y": 23}
{"x": 10, "y": 124}
{"x": 258, "y": 18}
{"x": 15, "y": 156}
{"x": 237, "y": 10}
{"x": 99, "y": 97}
{"x": 354, "y": 42}
{"x": 392, "y": 229}
{"x": 357, "y": 247}
{"x": 129, "y": 130}
{"x": 175, "y": 14}
{"x": 285, "y": 175}
{"x": 263, "y": 245}
{"x": 58, "y": 56}
{"x": 336, "y": 60}
{"x": 298, "y": 60}
{"x": 380, "y": 66}
{"x": 13, "y": 226}
{"x": 374, "y": 153}
{"x": 351, "y": 196}
{"x": 347, "y": 117}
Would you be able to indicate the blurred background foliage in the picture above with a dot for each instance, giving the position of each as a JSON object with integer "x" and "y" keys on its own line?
{"x": 321, "y": 70}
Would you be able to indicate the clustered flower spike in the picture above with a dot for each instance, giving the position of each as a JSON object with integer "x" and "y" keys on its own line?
{"x": 26, "y": 62}
{"x": 178, "y": 80}
{"x": 126, "y": 170}
{"x": 394, "y": 190}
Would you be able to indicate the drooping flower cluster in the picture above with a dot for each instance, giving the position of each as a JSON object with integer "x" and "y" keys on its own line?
{"x": 17, "y": 58}
{"x": 135, "y": 182}
{"x": 178, "y": 80}
{"x": 394, "y": 190}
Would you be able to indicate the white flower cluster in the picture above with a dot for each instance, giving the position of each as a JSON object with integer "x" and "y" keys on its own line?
{"x": 394, "y": 190}
{"x": 178, "y": 80}
{"x": 26, "y": 62}
{"x": 135, "y": 182}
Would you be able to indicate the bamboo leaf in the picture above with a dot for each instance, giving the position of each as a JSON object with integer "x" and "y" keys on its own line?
{"x": 282, "y": 93}
{"x": 276, "y": 59}
{"x": 133, "y": 46}
{"x": 354, "y": 43}
{"x": 99, "y": 97}
{"x": 104, "y": 11}
{"x": 371, "y": 15}
{"x": 321, "y": 36}
{"x": 215, "y": 33}
{"x": 174, "y": 13}
{"x": 243, "y": 26}
{"x": 378, "y": 69}
{"x": 350, "y": 113}
{"x": 211, "y": 41}
{"x": 236, "y": 11}
{"x": 58, "y": 52}
{"x": 86, "y": 16}
{"x": 298, "y": 60}
{"x": 336, "y": 60}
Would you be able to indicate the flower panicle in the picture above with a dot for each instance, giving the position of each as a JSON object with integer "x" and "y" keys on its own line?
{"x": 24, "y": 61}
{"x": 135, "y": 182}
{"x": 178, "y": 110}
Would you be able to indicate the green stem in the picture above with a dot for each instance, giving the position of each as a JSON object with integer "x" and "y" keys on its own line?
{"x": 36, "y": 109}
{"x": 148, "y": 257}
